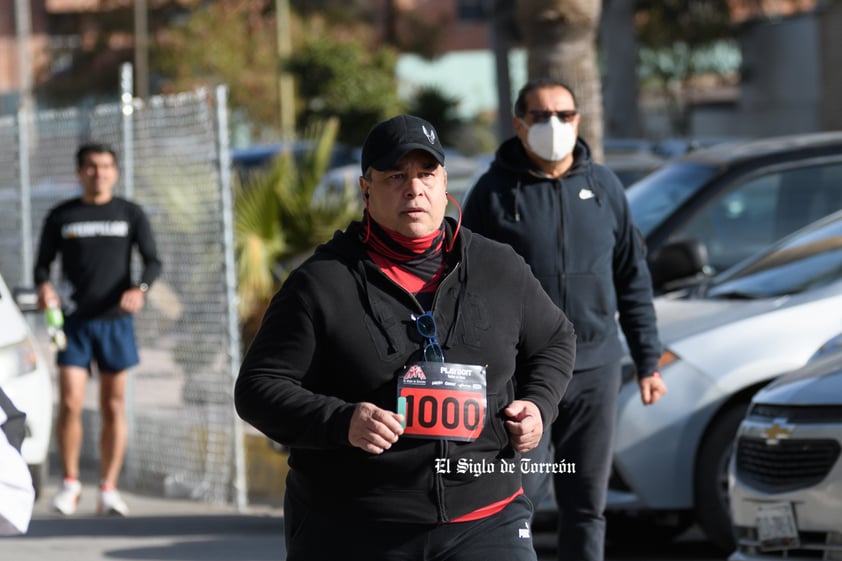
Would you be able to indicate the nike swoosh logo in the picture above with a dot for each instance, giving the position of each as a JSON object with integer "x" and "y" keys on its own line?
{"x": 586, "y": 194}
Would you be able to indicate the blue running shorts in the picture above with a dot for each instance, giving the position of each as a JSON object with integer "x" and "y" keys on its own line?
{"x": 109, "y": 342}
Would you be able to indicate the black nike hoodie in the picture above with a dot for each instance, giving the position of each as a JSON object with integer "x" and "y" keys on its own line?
{"x": 577, "y": 234}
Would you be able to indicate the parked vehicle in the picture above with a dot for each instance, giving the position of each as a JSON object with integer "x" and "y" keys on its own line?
{"x": 710, "y": 208}
{"x": 723, "y": 340}
{"x": 785, "y": 477}
{"x": 676, "y": 146}
{"x": 631, "y": 159}
{"x": 259, "y": 157}
{"x": 25, "y": 377}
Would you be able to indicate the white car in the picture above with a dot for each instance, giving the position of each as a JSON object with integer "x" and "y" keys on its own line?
{"x": 785, "y": 478}
{"x": 25, "y": 377}
{"x": 723, "y": 341}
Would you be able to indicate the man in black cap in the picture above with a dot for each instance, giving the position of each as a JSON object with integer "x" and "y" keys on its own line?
{"x": 406, "y": 384}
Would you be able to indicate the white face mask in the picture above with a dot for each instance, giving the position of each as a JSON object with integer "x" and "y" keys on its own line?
{"x": 552, "y": 141}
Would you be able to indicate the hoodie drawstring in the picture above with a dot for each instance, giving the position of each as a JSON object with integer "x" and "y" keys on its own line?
{"x": 516, "y": 206}
{"x": 594, "y": 190}
{"x": 462, "y": 272}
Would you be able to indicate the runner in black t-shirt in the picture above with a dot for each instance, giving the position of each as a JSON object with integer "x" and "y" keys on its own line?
{"x": 95, "y": 235}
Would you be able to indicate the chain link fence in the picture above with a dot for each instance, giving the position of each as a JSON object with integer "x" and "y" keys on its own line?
{"x": 184, "y": 437}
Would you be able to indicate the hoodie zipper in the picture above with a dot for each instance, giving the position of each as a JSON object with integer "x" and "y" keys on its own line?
{"x": 438, "y": 483}
{"x": 562, "y": 246}
{"x": 442, "y": 445}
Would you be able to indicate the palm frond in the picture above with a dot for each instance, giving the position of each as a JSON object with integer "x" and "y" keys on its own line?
{"x": 278, "y": 221}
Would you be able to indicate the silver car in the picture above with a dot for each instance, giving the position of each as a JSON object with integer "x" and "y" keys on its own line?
{"x": 785, "y": 478}
{"x": 722, "y": 342}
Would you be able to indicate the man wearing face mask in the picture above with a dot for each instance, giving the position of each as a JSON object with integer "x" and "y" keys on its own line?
{"x": 568, "y": 217}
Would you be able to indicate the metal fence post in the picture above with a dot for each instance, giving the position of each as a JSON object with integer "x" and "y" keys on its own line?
{"x": 240, "y": 491}
{"x": 24, "y": 119}
{"x": 127, "y": 111}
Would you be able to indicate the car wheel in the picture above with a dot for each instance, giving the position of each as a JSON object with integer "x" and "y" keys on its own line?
{"x": 39, "y": 473}
{"x": 711, "y": 479}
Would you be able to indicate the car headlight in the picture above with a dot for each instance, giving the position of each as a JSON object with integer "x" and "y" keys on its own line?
{"x": 17, "y": 359}
{"x": 629, "y": 373}
{"x": 667, "y": 358}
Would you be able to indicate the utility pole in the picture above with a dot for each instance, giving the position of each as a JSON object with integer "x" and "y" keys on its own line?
{"x": 23, "y": 24}
{"x": 286, "y": 90}
{"x": 141, "y": 48}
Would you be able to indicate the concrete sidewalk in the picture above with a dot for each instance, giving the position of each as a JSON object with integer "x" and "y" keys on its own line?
{"x": 157, "y": 528}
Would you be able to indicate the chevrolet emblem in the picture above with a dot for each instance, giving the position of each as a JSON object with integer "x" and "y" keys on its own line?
{"x": 778, "y": 431}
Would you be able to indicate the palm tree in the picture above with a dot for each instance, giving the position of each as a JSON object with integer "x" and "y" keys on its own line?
{"x": 280, "y": 219}
{"x": 560, "y": 40}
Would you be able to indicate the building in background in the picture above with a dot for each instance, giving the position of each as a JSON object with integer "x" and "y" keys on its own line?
{"x": 451, "y": 41}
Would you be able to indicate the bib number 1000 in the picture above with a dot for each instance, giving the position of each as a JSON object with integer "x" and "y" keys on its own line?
{"x": 444, "y": 414}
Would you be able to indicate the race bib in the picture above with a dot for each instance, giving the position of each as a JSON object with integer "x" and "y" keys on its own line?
{"x": 442, "y": 400}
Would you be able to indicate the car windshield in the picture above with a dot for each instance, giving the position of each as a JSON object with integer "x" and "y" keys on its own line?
{"x": 805, "y": 261}
{"x": 655, "y": 197}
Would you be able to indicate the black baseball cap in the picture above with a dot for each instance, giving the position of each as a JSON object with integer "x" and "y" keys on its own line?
{"x": 389, "y": 140}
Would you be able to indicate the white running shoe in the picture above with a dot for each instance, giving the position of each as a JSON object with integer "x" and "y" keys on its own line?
{"x": 67, "y": 498}
{"x": 111, "y": 504}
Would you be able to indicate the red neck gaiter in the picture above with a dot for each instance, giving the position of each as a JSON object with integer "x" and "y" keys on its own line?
{"x": 416, "y": 264}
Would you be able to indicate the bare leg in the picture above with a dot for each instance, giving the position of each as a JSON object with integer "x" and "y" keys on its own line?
{"x": 114, "y": 434}
{"x": 69, "y": 427}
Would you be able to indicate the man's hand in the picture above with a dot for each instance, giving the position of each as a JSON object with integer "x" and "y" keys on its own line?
{"x": 374, "y": 429}
{"x": 524, "y": 425}
{"x": 652, "y": 388}
{"x": 47, "y": 296}
{"x": 132, "y": 300}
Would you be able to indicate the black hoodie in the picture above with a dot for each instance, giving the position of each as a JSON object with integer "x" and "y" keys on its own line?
{"x": 339, "y": 332}
{"x": 577, "y": 234}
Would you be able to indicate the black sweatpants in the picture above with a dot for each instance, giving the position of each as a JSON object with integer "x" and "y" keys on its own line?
{"x": 319, "y": 536}
{"x": 582, "y": 435}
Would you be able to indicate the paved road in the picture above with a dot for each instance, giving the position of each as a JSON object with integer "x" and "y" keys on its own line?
{"x": 178, "y": 530}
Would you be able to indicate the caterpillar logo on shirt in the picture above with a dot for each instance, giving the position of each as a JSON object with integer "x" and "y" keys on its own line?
{"x": 96, "y": 229}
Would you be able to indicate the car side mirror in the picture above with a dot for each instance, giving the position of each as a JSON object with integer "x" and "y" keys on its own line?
{"x": 679, "y": 264}
{"x": 26, "y": 298}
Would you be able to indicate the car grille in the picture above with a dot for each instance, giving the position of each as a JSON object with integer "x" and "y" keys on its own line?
{"x": 794, "y": 414}
{"x": 785, "y": 466}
